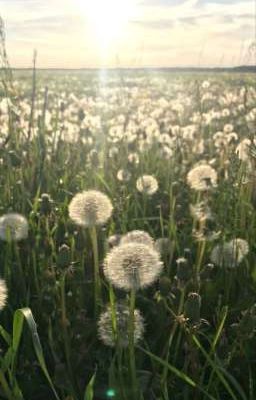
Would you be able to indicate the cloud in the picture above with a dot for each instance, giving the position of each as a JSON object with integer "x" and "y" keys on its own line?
{"x": 170, "y": 32}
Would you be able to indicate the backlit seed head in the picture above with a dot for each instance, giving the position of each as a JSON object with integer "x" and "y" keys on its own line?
{"x": 123, "y": 175}
{"x": 202, "y": 177}
{"x": 230, "y": 254}
{"x": 132, "y": 266}
{"x": 3, "y": 294}
{"x": 137, "y": 236}
{"x": 147, "y": 184}
{"x": 117, "y": 333}
{"x": 13, "y": 226}
{"x": 90, "y": 208}
{"x": 114, "y": 240}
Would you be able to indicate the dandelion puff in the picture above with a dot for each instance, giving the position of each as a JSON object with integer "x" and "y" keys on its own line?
{"x": 202, "y": 177}
{"x": 3, "y": 294}
{"x": 137, "y": 236}
{"x": 132, "y": 266}
{"x": 123, "y": 175}
{"x": 13, "y": 226}
{"x": 90, "y": 208}
{"x": 230, "y": 254}
{"x": 111, "y": 336}
{"x": 114, "y": 240}
{"x": 147, "y": 184}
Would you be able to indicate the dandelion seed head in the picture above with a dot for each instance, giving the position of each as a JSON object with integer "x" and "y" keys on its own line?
{"x": 202, "y": 177}
{"x": 3, "y": 294}
{"x": 111, "y": 337}
{"x": 137, "y": 236}
{"x": 123, "y": 175}
{"x": 230, "y": 254}
{"x": 132, "y": 266}
{"x": 13, "y": 226}
{"x": 90, "y": 208}
{"x": 147, "y": 184}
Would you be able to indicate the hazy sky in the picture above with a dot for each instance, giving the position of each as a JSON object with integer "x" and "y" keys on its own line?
{"x": 95, "y": 33}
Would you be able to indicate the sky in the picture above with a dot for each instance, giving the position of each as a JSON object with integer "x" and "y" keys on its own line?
{"x": 129, "y": 33}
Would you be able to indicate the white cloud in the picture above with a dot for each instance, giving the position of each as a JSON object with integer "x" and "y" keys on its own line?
{"x": 156, "y": 35}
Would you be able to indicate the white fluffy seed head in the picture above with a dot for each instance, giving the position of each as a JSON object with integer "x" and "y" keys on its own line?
{"x": 137, "y": 236}
{"x": 3, "y": 294}
{"x": 202, "y": 177}
{"x": 112, "y": 334}
{"x": 90, "y": 208}
{"x": 147, "y": 184}
{"x": 132, "y": 266}
{"x": 13, "y": 226}
{"x": 230, "y": 254}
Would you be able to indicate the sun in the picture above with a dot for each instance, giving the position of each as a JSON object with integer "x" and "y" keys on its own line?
{"x": 107, "y": 19}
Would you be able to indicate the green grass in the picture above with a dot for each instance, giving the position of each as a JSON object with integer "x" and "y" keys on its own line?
{"x": 57, "y": 354}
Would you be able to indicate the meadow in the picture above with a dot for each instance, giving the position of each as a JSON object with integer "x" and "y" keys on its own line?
{"x": 127, "y": 235}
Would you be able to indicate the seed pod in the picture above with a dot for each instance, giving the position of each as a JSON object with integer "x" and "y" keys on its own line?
{"x": 64, "y": 256}
{"x": 192, "y": 308}
{"x": 165, "y": 285}
{"x": 45, "y": 204}
{"x": 184, "y": 270}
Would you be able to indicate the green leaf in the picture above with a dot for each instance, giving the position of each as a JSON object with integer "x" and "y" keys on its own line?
{"x": 176, "y": 372}
{"x": 88, "y": 395}
{"x": 215, "y": 368}
{"x": 19, "y": 316}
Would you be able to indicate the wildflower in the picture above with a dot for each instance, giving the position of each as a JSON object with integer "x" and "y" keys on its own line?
{"x": 137, "y": 236}
{"x": 90, "y": 208}
{"x": 133, "y": 158}
{"x": 114, "y": 240}
{"x": 132, "y": 266}
{"x": 119, "y": 334}
{"x": 230, "y": 254}
{"x": 205, "y": 84}
{"x": 13, "y": 226}
{"x": 147, "y": 184}
{"x": 3, "y": 294}
{"x": 243, "y": 150}
{"x": 202, "y": 177}
{"x": 123, "y": 175}
{"x": 228, "y": 128}
{"x": 200, "y": 211}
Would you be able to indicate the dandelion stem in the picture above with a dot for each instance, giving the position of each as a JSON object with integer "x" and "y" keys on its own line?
{"x": 65, "y": 331}
{"x": 132, "y": 361}
{"x": 174, "y": 328}
{"x": 97, "y": 283}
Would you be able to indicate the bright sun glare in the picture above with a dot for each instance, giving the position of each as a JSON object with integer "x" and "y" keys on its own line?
{"x": 107, "y": 19}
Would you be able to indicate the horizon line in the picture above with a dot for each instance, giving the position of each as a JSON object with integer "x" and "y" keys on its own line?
{"x": 246, "y": 66}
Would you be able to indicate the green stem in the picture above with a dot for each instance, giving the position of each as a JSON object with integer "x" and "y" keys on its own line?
{"x": 132, "y": 362}
{"x": 97, "y": 282}
{"x": 174, "y": 328}
{"x": 65, "y": 331}
{"x": 5, "y": 387}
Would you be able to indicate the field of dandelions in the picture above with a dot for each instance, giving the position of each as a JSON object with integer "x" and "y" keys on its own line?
{"x": 127, "y": 236}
